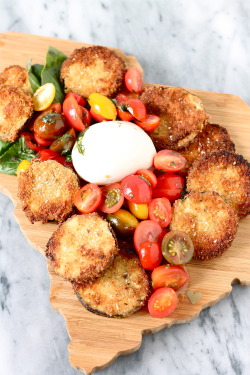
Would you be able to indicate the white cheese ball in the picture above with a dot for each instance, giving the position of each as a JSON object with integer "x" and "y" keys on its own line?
{"x": 111, "y": 150}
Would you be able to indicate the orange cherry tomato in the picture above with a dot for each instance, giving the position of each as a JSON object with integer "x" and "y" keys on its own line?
{"x": 88, "y": 198}
{"x": 150, "y": 255}
{"x": 170, "y": 276}
{"x": 162, "y": 302}
{"x": 160, "y": 210}
{"x": 169, "y": 161}
{"x": 151, "y": 123}
{"x": 133, "y": 80}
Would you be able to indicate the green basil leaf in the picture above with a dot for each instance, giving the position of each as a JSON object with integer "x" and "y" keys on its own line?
{"x": 4, "y": 146}
{"x": 52, "y": 75}
{"x": 34, "y": 83}
{"x": 54, "y": 57}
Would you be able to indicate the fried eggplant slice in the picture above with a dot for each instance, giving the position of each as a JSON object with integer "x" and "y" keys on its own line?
{"x": 17, "y": 76}
{"x": 119, "y": 292}
{"x": 47, "y": 190}
{"x": 82, "y": 247}
{"x": 93, "y": 69}
{"x": 182, "y": 116}
{"x": 225, "y": 173}
{"x": 209, "y": 221}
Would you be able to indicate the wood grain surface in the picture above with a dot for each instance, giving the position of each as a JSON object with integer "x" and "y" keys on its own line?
{"x": 96, "y": 341}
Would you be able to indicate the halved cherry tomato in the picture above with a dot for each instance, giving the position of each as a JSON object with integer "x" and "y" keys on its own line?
{"x": 62, "y": 160}
{"x": 123, "y": 222}
{"x": 86, "y": 117}
{"x": 42, "y": 141}
{"x": 138, "y": 210}
{"x": 133, "y": 80}
{"x": 137, "y": 108}
{"x": 124, "y": 115}
{"x": 73, "y": 113}
{"x": 149, "y": 175}
{"x": 122, "y": 111}
{"x": 169, "y": 161}
{"x": 169, "y": 185}
{"x": 78, "y": 98}
{"x": 102, "y": 106}
{"x": 88, "y": 198}
{"x": 96, "y": 117}
{"x": 47, "y": 154}
{"x": 122, "y": 100}
{"x": 151, "y": 123}
{"x": 160, "y": 210}
{"x": 136, "y": 189}
{"x": 30, "y": 141}
{"x": 147, "y": 230}
{"x": 50, "y": 125}
{"x": 169, "y": 276}
{"x": 65, "y": 143}
{"x": 44, "y": 96}
{"x": 150, "y": 255}
{"x": 162, "y": 302}
{"x": 112, "y": 198}
{"x": 177, "y": 247}
{"x": 55, "y": 107}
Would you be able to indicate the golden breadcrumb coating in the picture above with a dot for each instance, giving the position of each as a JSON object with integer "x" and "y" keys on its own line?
{"x": 208, "y": 220}
{"x": 182, "y": 116}
{"x": 82, "y": 247}
{"x": 17, "y": 76}
{"x": 93, "y": 69}
{"x": 47, "y": 190}
{"x": 226, "y": 173}
{"x": 16, "y": 107}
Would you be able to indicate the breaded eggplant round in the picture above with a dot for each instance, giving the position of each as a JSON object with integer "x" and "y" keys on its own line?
{"x": 208, "y": 220}
{"x": 16, "y": 107}
{"x": 182, "y": 116}
{"x": 93, "y": 69}
{"x": 212, "y": 138}
{"x": 47, "y": 190}
{"x": 17, "y": 76}
{"x": 82, "y": 247}
{"x": 225, "y": 173}
{"x": 119, "y": 292}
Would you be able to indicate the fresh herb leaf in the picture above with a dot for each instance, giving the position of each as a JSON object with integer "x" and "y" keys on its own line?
{"x": 34, "y": 74}
{"x": 79, "y": 144}
{"x": 69, "y": 158}
{"x": 4, "y": 146}
{"x": 50, "y": 118}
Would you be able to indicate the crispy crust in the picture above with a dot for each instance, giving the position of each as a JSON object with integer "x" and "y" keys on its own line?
{"x": 17, "y": 76}
{"x": 16, "y": 106}
{"x": 182, "y": 116}
{"x": 226, "y": 173}
{"x": 93, "y": 69}
{"x": 208, "y": 220}
{"x": 82, "y": 247}
{"x": 47, "y": 191}
{"x": 212, "y": 138}
{"x": 119, "y": 292}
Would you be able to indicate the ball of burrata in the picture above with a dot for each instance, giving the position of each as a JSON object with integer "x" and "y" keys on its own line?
{"x": 108, "y": 151}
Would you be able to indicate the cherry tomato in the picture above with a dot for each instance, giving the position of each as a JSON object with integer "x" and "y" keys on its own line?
{"x": 55, "y": 107}
{"x": 88, "y": 198}
{"x": 112, "y": 198}
{"x": 136, "y": 189}
{"x": 160, "y": 210}
{"x": 122, "y": 100}
{"x": 42, "y": 141}
{"x": 133, "y": 80}
{"x": 147, "y": 230}
{"x": 150, "y": 255}
{"x": 169, "y": 161}
{"x": 138, "y": 210}
{"x": 50, "y": 125}
{"x": 44, "y": 96}
{"x": 86, "y": 117}
{"x": 151, "y": 123}
{"x": 124, "y": 115}
{"x": 47, "y": 154}
{"x": 30, "y": 141}
{"x": 169, "y": 185}
{"x": 73, "y": 113}
{"x": 169, "y": 276}
{"x": 162, "y": 302}
{"x": 177, "y": 247}
{"x": 137, "y": 108}
{"x": 122, "y": 111}
{"x": 102, "y": 106}
{"x": 149, "y": 175}
{"x": 97, "y": 117}
{"x": 78, "y": 98}
{"x": 65, "y": 143}
{"x": 123, "y": 222}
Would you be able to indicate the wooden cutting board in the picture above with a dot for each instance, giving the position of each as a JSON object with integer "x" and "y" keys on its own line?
{"x": 96, "y": 341}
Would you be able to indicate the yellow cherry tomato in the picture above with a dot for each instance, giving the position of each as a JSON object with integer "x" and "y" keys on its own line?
{"x": 22, "y": 166}
{"x": 103, "y": 106}
{"x": 126, "y": 217}
{"x": 139, "y": 210}
{"x": 44, "y": 96}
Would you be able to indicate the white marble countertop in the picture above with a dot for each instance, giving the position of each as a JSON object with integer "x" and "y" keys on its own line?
{"x": 195, "y": 44}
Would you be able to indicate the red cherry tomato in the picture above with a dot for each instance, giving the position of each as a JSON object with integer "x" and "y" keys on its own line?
{"x": 149, "y": 175}
{"x": 55, "y": 107}
{"x": 73, "y": 113}
{"x": 147, "y": 230}
{"x": 96, "y": 116}
{"x": 169, "y": 185}
{"x": 169, "y": 276}
{"x": 137, "y": 108}
{"x": 112, "y": 198}
{"x": 151, "y": 123}
{"x": 88, "y": 198}
{"x": 169, "y": 161}
{"x": 160, "y": 210}
{"x": 133, "y": 80}
{"x": 121, "y": 100}
{"x": 78, "y": 98}
{"x": 124, "y": 115}
{"x": 42, "y": 141}
{"x": 162, "y": 302}
{"x": 86, "y": 117}
{"x": 136, "y": 189}
{"x": 30, "y": 141}
{"x": 150, "y": 255}
{"x": 47, "y": 154}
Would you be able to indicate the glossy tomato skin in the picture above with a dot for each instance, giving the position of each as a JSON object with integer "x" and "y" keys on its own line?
{"x": 102, "y": 105}
{"x": 160, "y": 210}
{"x": 137, "y": 108}
{"x": 162, "y": 302}
{"x": 42, "y": 141}
{"x": 150, "y": 255}
{"x": 169, "y": 185}
{"x": 150, "y": 123}
{"x": 30, "y": 141}
{"x": 136, "y": 189}
{"x": 88, "y": 198}
{"x": 177, "y": 247}
{"x": 50, "y": 125}
{"x": 96, "y": 116}
{"x": 78, "y": 98}
{"x": 73, "y": 113}
{"x": 149, "y": 175}
{"x": 112, "y": 198}
{"x": 170, "y": 276}
{"x": 65, "y": 143}
{"x": 123, "y": 222}
{"x": 138, "y": 210}
{"x": 147, "y": 230}
{"x": 47, "y": 154}
{"x": 133, "y": 80}
{"x": 169, "y": 161}
{"x": 124, "y": 115}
